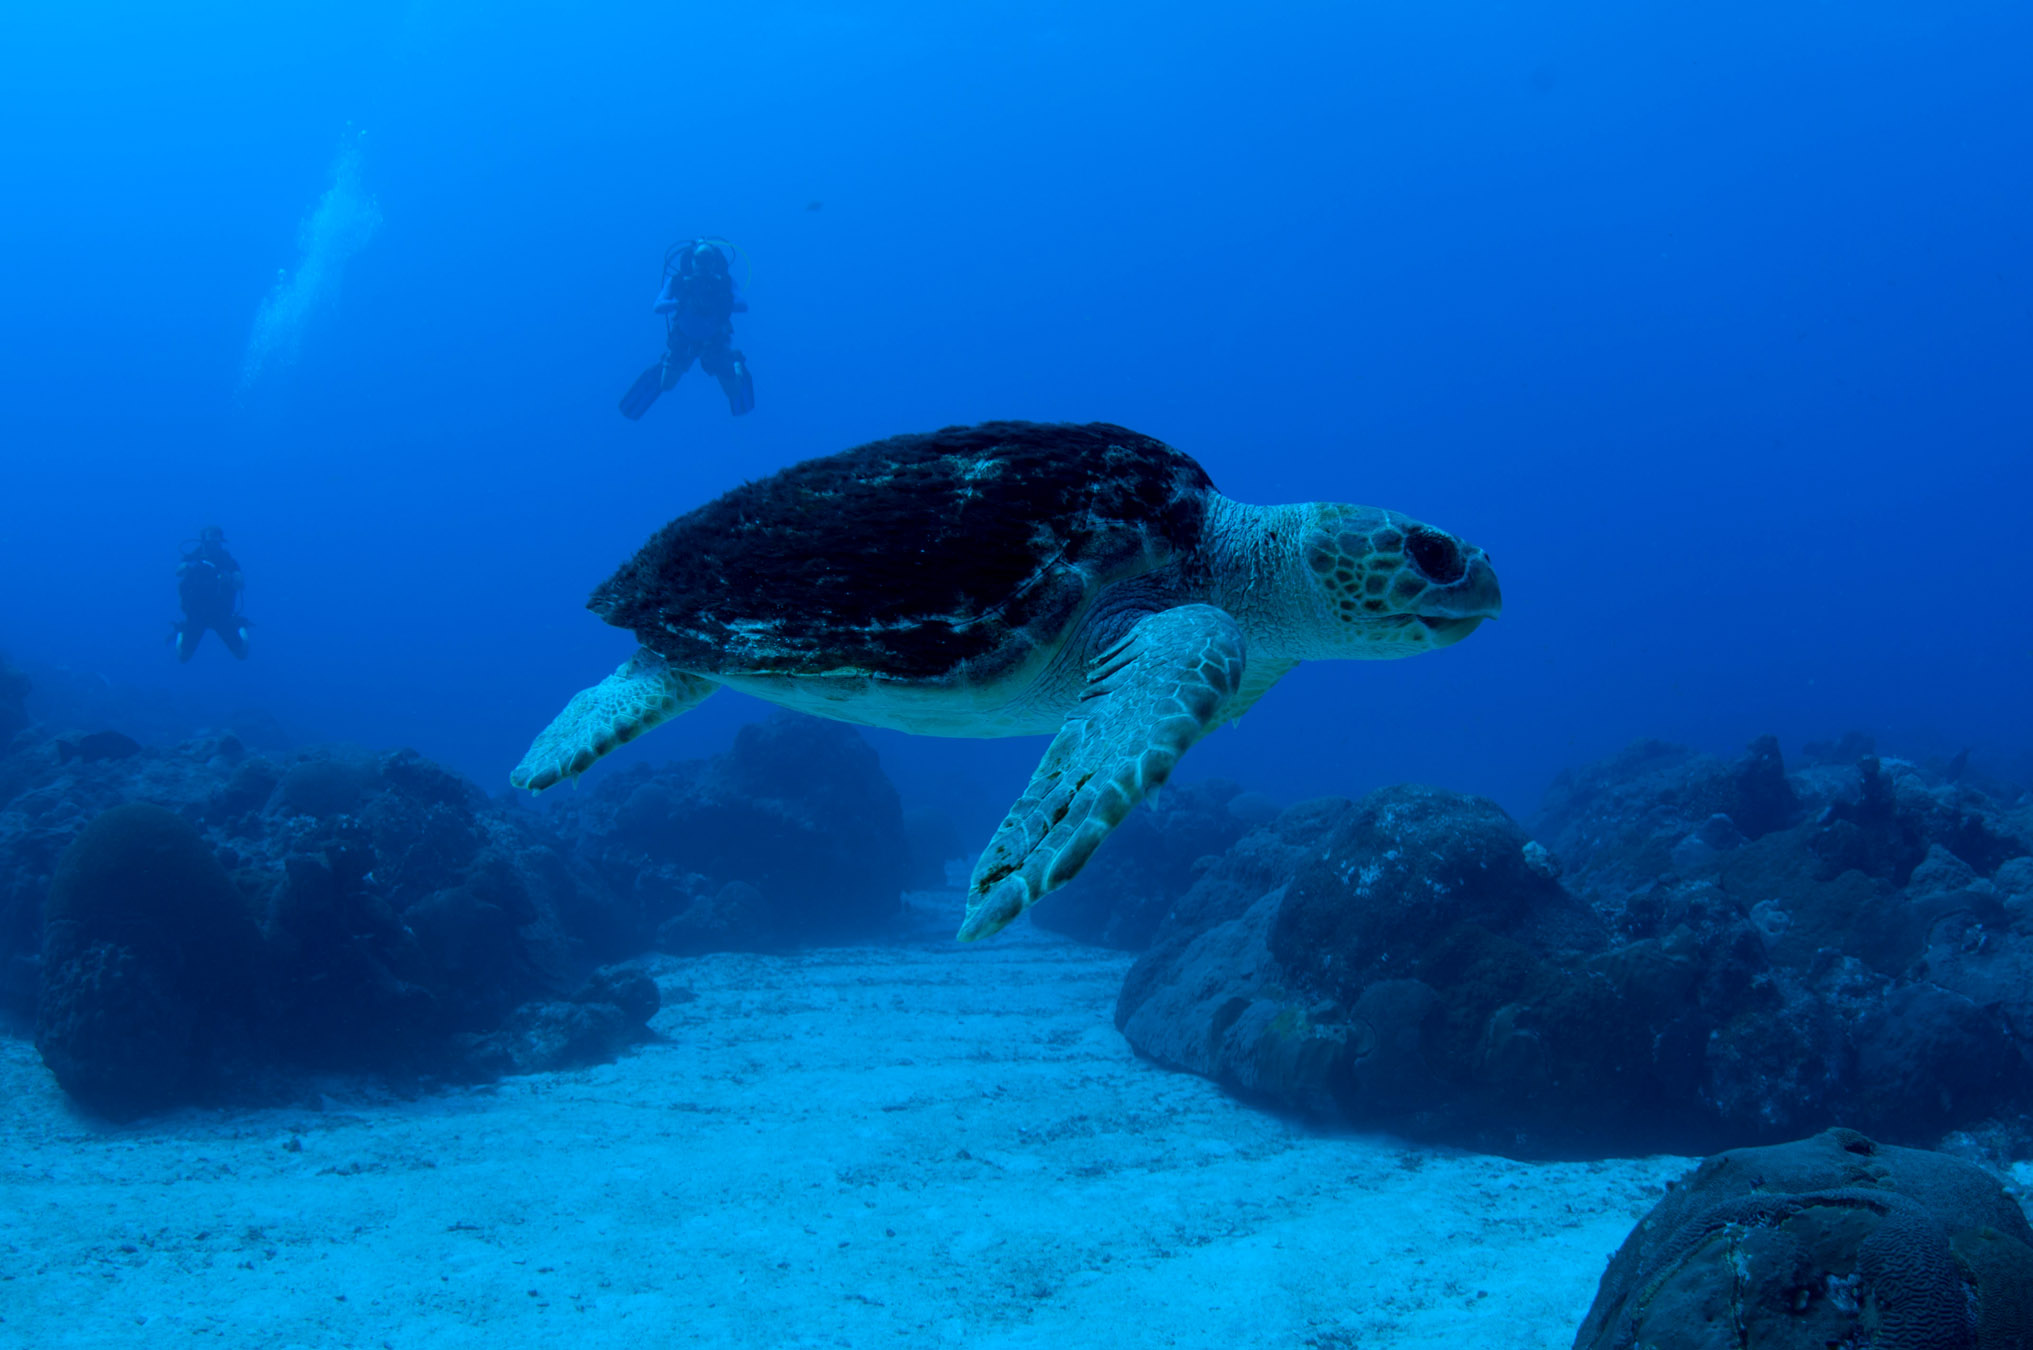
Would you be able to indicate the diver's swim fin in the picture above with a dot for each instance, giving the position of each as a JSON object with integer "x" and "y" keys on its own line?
{"x": 739, "y": 386}
{"x": 643, "y": 392}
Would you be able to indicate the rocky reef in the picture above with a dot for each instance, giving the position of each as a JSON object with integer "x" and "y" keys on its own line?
{"x": 148, "y": 960}
{"x": 201, "y": 921}
{"x": 795, "y": 835}
{"x": 1836, "y": 1240}
{"x": 1679, "y": 953}
{"x": 188, "y": 920}
{"x": 1683, "y": 952}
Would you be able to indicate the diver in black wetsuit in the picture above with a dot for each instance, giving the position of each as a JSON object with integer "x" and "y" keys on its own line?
{"x": 208, "y": 582}
{"x": 698, "y": 305}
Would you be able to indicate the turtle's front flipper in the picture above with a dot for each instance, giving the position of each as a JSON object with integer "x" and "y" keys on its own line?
{"x": 1149, "y": 697}
{"x": 642, "y": 692}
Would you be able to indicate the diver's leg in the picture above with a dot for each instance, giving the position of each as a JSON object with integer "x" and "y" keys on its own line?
{"x": 659, "y": 377}
{"x": 188, "y": 634}
{"x": 233, "y": 632}
{"x": 731, "y": 369}
{"x": 678, "y": 358}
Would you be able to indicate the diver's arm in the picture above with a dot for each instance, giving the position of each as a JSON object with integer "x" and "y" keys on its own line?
{"x": 667, "y": 298}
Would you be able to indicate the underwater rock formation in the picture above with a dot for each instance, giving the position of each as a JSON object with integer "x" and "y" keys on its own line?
{"x": 1617, "y": 825}
{"x": 1709, "y": 952}
{"x": 604, "y": 1016}
{"x": 1885, "y": 983}
{"x": 48, "y": 794}
{"x": 385, "y": 915}
{"x": 1692, "y": 952}
{"x": 1400, "y": 962}
{"x": 390, "y": 917}
{"x": 795, "y": 835}
{"x": 148, "y": 957}
{"x": 1835, "y": 1240}
{"x": 13, "y": 701}
{"x": 1151, "y": 861}
{"x": 401, "y": 908}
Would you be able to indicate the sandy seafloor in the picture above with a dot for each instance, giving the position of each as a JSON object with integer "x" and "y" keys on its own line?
{"x": 900, "y": 1145}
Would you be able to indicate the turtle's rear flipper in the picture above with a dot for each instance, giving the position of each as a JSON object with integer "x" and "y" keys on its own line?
{"x": 1149, "y": 697}
{"x": 643, "y": 392}
{"x": 643, "y": 692}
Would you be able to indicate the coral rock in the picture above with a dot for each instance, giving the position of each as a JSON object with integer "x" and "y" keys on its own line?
{"x": 1833, "y": 1240}
{"x": 147, "y": 951}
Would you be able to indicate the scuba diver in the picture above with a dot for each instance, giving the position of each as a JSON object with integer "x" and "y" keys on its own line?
{"x": 698, "y": 305}
{"x": 208, "y": 582}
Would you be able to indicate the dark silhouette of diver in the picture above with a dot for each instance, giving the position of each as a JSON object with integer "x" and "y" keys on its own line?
{"x": 698, "y": 305}
{"x": 209, "y": 582}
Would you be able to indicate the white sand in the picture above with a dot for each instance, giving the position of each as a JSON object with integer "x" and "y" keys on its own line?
{"x": 914, "y": 1145}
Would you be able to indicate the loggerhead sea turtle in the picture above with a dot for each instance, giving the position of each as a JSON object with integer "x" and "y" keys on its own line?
{"x": 1013, "y": 579}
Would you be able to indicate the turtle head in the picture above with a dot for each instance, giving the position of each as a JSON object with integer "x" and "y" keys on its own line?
{"x": 1390, "y": 586}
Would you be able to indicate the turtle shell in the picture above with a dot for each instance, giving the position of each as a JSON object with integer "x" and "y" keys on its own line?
{"x": 915, "y": 558}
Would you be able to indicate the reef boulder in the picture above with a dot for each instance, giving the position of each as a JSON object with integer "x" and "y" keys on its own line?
{"x": 149, "y": 961}
{"x": 389, "y": 917}
{"x": 795, "y": 835}
{"x": 1881, "y": 980}
{"x": 401, "y": 908}
{"x": 1835, "y": 1240}
{"x": 1710, "y": 952}
{"x": 1655, "y": 808}
{"x": 1403, "y": 962}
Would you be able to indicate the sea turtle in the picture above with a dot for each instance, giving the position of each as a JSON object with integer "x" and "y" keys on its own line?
{"x": 1013, "y": 579}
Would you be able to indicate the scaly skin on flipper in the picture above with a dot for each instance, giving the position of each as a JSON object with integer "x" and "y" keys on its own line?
{"x": 1149, "y": 698}
{"x": 643, "y": 692}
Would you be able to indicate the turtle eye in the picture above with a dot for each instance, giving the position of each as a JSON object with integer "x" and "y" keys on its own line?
{"x": 1437, "y": 556}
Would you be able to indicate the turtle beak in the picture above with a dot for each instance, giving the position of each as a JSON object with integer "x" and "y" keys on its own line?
{"x": 1475, "y": 597}
{"x": 1447, "y": 632}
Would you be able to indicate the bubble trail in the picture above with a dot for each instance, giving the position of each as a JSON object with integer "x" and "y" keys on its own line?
{"x": 343, "y": 222}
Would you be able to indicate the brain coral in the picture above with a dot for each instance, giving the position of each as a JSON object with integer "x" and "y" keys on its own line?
{"x": 1830, "y": 1241}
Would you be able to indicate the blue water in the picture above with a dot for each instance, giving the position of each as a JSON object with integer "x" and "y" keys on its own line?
{"x": 1713, "y": 324}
